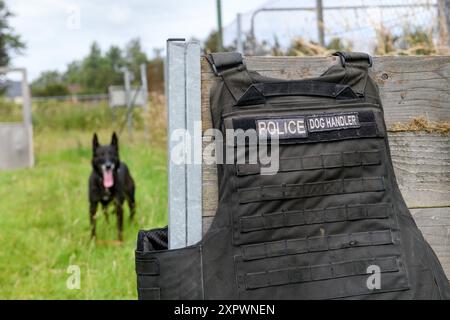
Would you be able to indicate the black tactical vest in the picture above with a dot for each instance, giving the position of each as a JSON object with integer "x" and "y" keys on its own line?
{"x": 327, "y": 220}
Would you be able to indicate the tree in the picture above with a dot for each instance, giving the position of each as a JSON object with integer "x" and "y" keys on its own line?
{"x": 135, "y": 56}
{"x": 99, "y": 70}
{"x": 211, "y": 43}
{"x": 49, "y": 83}
{"x": 10, "y": 42}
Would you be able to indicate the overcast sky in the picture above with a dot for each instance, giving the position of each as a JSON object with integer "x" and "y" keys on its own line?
{"x": 59, "y": 31}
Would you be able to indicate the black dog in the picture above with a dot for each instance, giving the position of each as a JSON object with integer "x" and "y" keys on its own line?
{"x": 110, "y": 180}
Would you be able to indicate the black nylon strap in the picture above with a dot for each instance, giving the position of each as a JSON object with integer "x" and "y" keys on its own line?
{"x": 320, "y": 161}
{"x": 316, "y": 244}
{"x": 257, "y": 93}
{"x": 314, "y": 189}
{"x": 147, "y": 267}
{"x": 231, "y": 68}
{"x": 357, "y": 58}
{"x": 288, "y": 219}
{"x": 268, "y": 278}
{"x": 221, "y": 61}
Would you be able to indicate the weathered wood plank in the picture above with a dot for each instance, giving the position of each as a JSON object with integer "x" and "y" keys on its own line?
{"x": 422, "y": 168}
{"x": 435, "y": 226}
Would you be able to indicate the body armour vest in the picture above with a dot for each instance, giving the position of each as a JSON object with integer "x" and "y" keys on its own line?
{"x": 330, "y": 223}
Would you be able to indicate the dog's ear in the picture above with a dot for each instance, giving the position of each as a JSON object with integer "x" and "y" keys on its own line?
{"x": 95, "y": 143}
{"x": 115, "y": 140}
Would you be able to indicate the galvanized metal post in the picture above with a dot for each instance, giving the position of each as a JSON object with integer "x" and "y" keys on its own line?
{"x": 126, "y": 76}
{"x": 239, "y": 44}
{"x": 219, "y": 25}
{"x": 27, "y": 119}
{"x": 16, "y": 139}
{"x": 144, "y": 85}
{"x": 194, "y": 129}
{"x": 320, "y": 23}
{"x": 184, "y": 166}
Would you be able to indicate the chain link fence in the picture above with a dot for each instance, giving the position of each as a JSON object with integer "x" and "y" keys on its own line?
{"x": 311, "y": 27}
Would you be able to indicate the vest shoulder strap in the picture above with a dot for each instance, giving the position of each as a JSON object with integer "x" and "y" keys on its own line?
{"x": 360, "y": 59}
{"x": 230, "y": 67}
{"x": 221, "y": 61}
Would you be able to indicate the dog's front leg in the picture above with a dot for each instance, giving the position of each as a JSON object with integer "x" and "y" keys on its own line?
{"x": 92, "y": 212}
{"x": 119, "y": 211}
{"x": 105, "y": 212}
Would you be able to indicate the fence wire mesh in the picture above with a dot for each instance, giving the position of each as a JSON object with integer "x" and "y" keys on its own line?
{"x": 376, "y": 26}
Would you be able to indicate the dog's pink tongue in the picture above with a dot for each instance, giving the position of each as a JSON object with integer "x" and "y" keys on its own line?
{"x": 108, "y": 179}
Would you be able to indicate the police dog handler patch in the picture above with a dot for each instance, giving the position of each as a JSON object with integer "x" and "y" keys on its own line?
{"x": 288, "y": 128}
{"x": 336, "y": 121}
{"x": 298, "y": 127}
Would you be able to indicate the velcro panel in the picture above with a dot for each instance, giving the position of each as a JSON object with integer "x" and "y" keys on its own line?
{"x": 290, "y": 191}
{"x": 368, "y": 129}
{"x": 286, "y": 276}
{"x": 325, "y": 161}
{"x": 316, "y": 244}
{"x": 305, "y": 217}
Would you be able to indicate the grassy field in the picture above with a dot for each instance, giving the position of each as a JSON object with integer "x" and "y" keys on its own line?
{"x": 44, "y": 224}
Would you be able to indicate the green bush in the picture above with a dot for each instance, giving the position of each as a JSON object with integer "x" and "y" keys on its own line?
{"x": 51, "y": 90}
{"x": 58, "y": 115}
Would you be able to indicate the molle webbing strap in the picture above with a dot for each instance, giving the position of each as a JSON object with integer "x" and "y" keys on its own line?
{"x": 314, "y": 189}
{"x": 316, "y": 244}
{"x": 257, "y": 93}
{"x": 147, "y": 267}
{"x": 285, "y": 219}
{"x": 333, "y": 270}
{"x": 231, "y": 68}
{"x": 315, "y": 162}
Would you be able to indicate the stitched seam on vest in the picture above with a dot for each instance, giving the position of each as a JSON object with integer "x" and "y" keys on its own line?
{"x": 316, "y": 244}
{"x": 285, "y": 219}
{"x": 291, "y": 191}
{"x": 324, "y": 161}
{"x": 343, "y": 269}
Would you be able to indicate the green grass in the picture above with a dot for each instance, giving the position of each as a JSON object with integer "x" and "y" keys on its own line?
{"x": 44, "y": 220}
